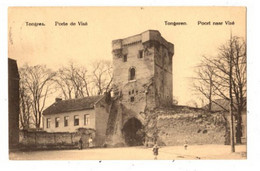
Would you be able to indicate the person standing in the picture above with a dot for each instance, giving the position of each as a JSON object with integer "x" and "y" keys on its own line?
{"x": 90, "y": 142}
{"x": 185, "y": 145}
{"x": 155, "y": 151}
{"x": 80, "y": 143}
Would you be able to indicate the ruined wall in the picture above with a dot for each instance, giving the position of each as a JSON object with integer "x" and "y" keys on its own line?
{"x": 194, "y": 126}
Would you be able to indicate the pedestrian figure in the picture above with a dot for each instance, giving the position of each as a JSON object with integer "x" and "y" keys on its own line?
{"x": 90, "y": 142}
{"x": 155, "y": 151}
{"x": 186, "y": 145}
{"x": 80, "y": 143}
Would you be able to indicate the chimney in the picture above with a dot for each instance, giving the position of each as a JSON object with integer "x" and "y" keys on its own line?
{"x": 58, "y": 99}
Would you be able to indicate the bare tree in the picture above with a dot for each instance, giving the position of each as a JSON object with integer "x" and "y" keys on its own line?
{"x": 231, "y": 65}
{"x": 37, "y": 81}
{"x": 73, "y": 81}
{"x": 102, "y": 75}
{"x": 25, "y": 107}
{"x": 228, "y": 81}
{"x": 203, "y": 81}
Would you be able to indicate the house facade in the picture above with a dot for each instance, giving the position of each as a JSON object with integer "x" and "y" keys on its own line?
{"x": 69, "y": 115}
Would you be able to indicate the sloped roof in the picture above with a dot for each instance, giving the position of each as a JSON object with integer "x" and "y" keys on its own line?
{"x": 72, "y": 105}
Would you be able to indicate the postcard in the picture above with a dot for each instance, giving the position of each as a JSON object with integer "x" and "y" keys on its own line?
{"x": 127, "y": 83}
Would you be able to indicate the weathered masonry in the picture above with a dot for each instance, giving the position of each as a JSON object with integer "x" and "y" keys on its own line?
{"x": 142, "y": 68}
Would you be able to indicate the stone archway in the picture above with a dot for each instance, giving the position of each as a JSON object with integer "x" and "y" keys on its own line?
{"x": 132, "y": 132}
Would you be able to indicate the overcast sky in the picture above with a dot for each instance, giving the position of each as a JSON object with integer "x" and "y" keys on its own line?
{"x": 56, "y": 45}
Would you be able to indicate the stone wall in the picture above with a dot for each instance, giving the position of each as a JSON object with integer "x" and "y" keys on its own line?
{"x": 175, "y": 126}
{"x": 58, "y": 140}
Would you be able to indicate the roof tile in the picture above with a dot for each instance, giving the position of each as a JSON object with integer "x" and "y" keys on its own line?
{"x": 72, "y": 105}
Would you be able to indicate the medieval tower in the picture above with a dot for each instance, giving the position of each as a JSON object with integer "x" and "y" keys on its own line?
{"x": 143, "y": 77}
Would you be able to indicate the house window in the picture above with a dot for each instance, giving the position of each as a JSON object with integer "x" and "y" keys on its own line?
{"x": 132, "y": 99}
{"x": 66, "y": 121}
{"x": 132, "y": 73}
{"x": 86, "y": 119}
{"x": 125, "y": 58}
{"x": 140, "y": 54}
{"x": 48, "y": 124}
{"x": 57, "y": 122}
{"x": 76, "y": 120}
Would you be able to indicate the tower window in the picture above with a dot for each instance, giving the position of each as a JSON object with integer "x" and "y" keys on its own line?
{"x": 132, "y": 73}
{"x": 125, "y": 58}
{"x": 132, "y": 99}
{"x": 140, "y": 54}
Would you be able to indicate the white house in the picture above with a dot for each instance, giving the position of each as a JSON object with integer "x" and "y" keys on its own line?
{"x": 69, "y": 115}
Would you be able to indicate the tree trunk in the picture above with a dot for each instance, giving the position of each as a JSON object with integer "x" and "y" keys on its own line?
{"x": 231, "y": 99}
{"x": 239, "y": 128}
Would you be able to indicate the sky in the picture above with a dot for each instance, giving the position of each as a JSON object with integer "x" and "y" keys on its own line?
{"x": 55, "y": 46}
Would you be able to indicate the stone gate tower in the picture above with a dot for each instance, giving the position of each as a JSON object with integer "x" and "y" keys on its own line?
{"x": 143, "y": 72}
{"x": 142, "y": 75}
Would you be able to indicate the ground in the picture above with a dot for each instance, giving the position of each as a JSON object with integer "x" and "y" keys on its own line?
{"x": 136, "y": 153}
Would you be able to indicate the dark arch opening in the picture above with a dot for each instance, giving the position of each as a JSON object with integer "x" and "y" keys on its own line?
{"x": 133, "y": 133}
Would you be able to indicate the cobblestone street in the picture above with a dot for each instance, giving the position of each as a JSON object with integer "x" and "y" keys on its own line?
{"x": 194, "y": 152}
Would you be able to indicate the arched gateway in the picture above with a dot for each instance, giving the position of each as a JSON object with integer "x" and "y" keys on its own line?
{"x": 142, "y": 79}
{"x": 132, "y": 132}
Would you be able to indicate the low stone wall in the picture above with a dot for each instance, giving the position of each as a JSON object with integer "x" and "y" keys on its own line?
{"x": 177, "y": 127}
{"x": 45, "y": 140}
